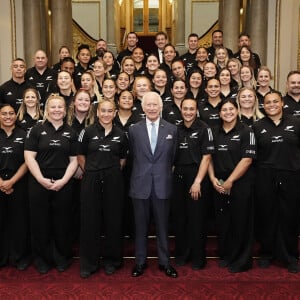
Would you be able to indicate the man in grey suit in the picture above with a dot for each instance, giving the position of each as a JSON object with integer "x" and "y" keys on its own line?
{"x": 152, "y": 146}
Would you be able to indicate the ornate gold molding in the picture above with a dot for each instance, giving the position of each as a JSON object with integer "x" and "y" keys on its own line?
{"x": 80, "y": 36}
{"x": 205, "y": 39}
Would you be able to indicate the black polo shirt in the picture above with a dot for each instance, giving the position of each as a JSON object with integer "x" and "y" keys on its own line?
{"x": 11, "y": 150}
{"x": 209, "y": 114}
{"x": 11, "y": 92}
{"x": 100, "y": 151}
{"x": 53, "y": 147}
{"x": 131, "y": 120}
{"x": 278, "y": 146}
{"x": 193, "y": 143}
{"x": 231, "y": 147}
{"x": 78, "y": 71}
{"x": 189, "y": 60}
{"x": 27, "y": 123}
{"x": 41, "y": 82}
{"x": 291, "y": 106}
{"x": 172, "y": 114}
{"x": 137, "y": 109}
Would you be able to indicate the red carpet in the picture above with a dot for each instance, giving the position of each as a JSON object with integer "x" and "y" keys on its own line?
{"x": 210, "y": 283}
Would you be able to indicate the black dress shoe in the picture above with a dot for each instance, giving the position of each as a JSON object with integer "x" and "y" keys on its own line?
{"x": 264, "y": 262}
{"x": 169, "y": 271}
{"x": 43, "y": 268}
{"x": 109, "y": 269}
{"x": 293, "y": 268}
{"x": 23, "y": 265}
{"x": 85, "y": 274}
{"x": 198, "y": 265}
{"x": 138, "y": 270}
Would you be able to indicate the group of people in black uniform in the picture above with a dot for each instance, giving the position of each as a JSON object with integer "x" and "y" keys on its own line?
{"x": 73, "y": 135}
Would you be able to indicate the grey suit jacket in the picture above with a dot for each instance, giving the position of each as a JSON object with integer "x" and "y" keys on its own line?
{"x": 148, "y": 167}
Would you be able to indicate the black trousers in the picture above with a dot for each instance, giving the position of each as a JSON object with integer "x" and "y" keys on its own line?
{"x": 234, "y": 219}
{"x": 14, "y": 224}
{"x": 102, "y": 200}
{"x": 189, "y": 217}
{"x": 51, "y": 223}
{"x": 277, "y": 214}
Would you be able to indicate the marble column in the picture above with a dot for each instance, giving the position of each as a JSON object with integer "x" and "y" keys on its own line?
{"x": 32, "y": 29}
{"x": 256, "y": 26}
{"x": 61, "y": 26}
{"x": 179, "y": 9}
{"x": 229, "y": 11}
{"x": 111, "y": 21}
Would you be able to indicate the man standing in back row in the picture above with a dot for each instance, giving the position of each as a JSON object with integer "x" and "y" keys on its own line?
{"x": 153, "y": 146}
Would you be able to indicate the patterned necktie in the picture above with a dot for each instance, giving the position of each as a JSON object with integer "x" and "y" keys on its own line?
{"x": 153, "y": 137}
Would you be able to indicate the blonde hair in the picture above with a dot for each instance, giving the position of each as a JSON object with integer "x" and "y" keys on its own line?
{"x": 23, "y": 109}
{"x": 256, "y": 113}
{"x": 52, "y": 97}
{"x": 95, "y": 88}
{"x": 226, "y": 58}
{"x": 135, "y": 83}
{"x": 71, "y": 114}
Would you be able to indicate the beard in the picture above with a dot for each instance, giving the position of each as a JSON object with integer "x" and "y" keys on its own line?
{"x": 100, "y": 52}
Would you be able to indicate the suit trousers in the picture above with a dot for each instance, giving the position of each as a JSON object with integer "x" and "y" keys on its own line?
{"x": 142, "y": 211}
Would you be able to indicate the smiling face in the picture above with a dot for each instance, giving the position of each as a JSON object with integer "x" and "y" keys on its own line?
{"x": 138, "y": 55}
{"x": 210, "y": 70}
{"x": 178, "y": 69}
{"x": 152, "y": 106}
{"x": 228, "y": 113}
{"x": 202, "y": 54}
{"x": 128, "y": 66}
{"x": 179, "y": 90}
{"x": 264, "y": 78}
{"x": 246, "y": 74}
{"x": 233, "y": 67}
{"x": 195, "y": 80}
{"x": 82, "y": 102}
{"x": 245, "y": 54}
{"x": 109, "y": 89}
{"x": 56, "y": 109}
{"x": 224, "y": 77}
{"x": 30, "y": 99}
{"x": 189, "y": 111}
{"x": 99, "y": 68}
{"x": 160, "y": 79}
{"x": 64, "y": 80}
{"x": 213, "y": 88}
{"x": 293, "y": 85}
{"x": 106, "y": 112}
{"x": 169, "y": 54}
{"x": 125, "y": 100}
{"x": 141, "y": 87}
{"x": 273, "y": 105}
{"x": 247, "y": 99}
{"x": 123, "y": 81}
{"x": 152, "y": 63}
{"x": 8, "y": 117}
